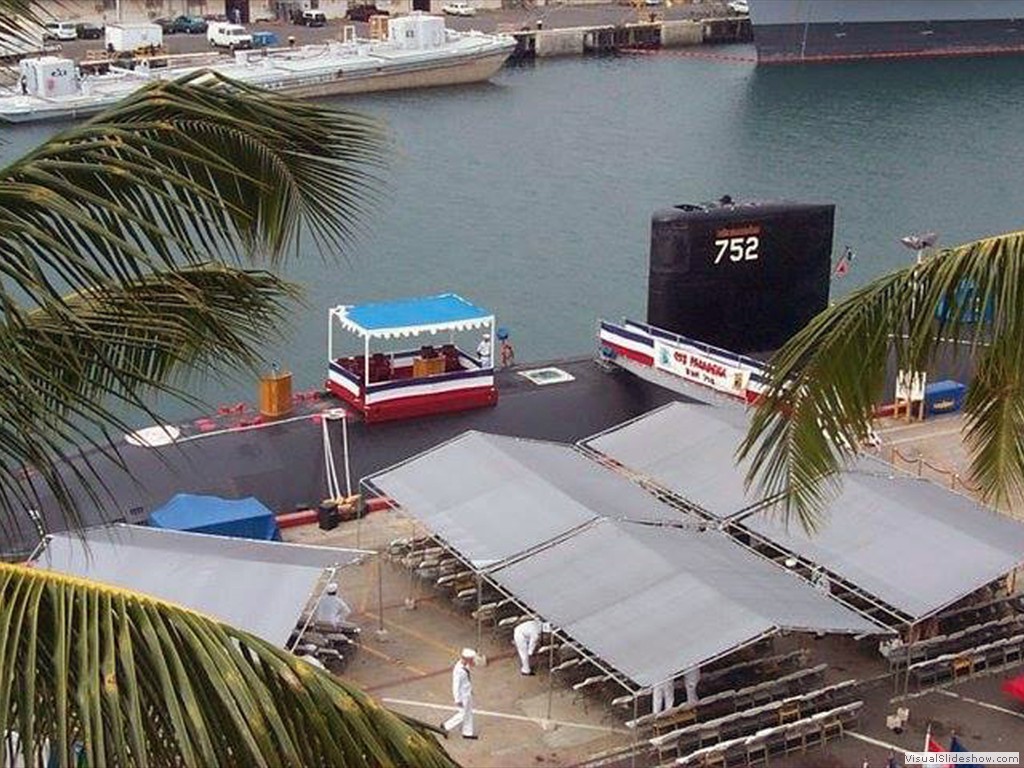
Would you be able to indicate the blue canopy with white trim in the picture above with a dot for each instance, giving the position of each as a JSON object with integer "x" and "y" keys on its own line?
{"x": 408, "y": 317}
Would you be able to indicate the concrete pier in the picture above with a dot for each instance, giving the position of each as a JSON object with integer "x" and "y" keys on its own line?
{"x": 610, "y": 38}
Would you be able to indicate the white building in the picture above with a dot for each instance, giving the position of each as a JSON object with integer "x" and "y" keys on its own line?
{"x": 248, "y": 11}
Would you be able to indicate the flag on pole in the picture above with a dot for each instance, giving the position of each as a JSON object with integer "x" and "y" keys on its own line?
{"x": 955, "y": 745}
{"x": 931, "y": 745}
{"x": 845, "y": 263}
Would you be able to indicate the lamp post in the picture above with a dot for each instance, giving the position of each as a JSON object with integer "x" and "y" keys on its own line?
{"x": 920, "y": 243}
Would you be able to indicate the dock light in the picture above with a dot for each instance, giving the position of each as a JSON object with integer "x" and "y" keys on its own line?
{"x": 920, "y": 243}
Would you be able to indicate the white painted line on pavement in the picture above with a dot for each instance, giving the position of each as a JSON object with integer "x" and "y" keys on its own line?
{"x": 984, "y": 704}
{"x": 541, "y": 721}
{"x": 877, "y": 743}
{"x": 922, "y": 438}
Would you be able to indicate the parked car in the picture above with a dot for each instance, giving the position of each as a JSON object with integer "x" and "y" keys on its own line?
{"x": 739, "y": 6}
{"x": 459, "y": 8}
{"x": 87, "y": 31}
{"x": 60, "y": 30}
{"x": 224, "y": 35}
{"x": 190, "y": 25}
{"x": 312, "y": 19}
{"x": 364, "y": 12}
{"x": 166, "y": 25}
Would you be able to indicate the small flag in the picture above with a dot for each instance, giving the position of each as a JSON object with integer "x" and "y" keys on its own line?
{"x": 930, "y": 744}
{"x": 955, "y": 745}
{"x": 845, "y": 263}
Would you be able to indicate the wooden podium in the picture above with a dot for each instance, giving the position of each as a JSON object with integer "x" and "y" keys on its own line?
{"x": 276, "y": 395}
{"x": 427, "y": 366}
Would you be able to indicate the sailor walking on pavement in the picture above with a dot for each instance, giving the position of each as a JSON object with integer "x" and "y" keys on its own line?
{"x": 462, "y": 693}
{"x": 526, "y": 637}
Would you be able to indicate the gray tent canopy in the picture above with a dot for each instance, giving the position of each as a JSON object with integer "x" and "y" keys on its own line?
{"x": 688, "y": 449}
{"x": 654, "y": 600}
{"x": 643, "y": 589}
{"x": 907, "y": 546}
{"x": 258, "y": 586}
{"x": 910, "y": 542}
{"x": 493, "y": 497}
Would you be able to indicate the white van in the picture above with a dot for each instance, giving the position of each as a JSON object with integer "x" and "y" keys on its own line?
{"x": 225, "y": 35}
{"x": 60, "y": 30}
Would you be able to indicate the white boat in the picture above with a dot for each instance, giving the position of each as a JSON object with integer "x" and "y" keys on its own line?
{"x": 418, "y": 52}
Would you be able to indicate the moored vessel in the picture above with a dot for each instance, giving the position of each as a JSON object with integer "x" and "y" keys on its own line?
{"x": 418, "y": 52}
{"x": 830, "y": 30}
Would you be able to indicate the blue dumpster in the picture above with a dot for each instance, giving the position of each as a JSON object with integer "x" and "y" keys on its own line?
{"x": 944, "y": 397}
{"x": 263, "y": 39}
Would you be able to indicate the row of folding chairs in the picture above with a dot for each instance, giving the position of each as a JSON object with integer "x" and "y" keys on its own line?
{"x": 732, "y": 700}
{"x": 753, "y": 670}
{"x": 957, "y": 642}
{"x": 995, "y": 607}
{"x": 749, "y": 721}
{"x": 954, "y": 667}
{"x": 797, "y": 736}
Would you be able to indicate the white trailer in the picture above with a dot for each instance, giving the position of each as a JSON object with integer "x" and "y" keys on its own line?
{"x": 131, "y": 37}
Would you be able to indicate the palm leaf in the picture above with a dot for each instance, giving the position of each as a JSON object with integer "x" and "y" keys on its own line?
{"x": 825, "y": 381}
{"x": 20, "y": 26}
{"x": 122, "y": 247}
{"x": 134, "y": 681}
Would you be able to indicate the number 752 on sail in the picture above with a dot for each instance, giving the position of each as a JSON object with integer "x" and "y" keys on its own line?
{"x": 737, "y": 248}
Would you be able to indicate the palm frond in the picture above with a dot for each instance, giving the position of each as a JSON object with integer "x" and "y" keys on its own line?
{"x": 128, "y": 680}
{"x": 182, "y": 172}
{"x": 825, "y": 382}
{"x": 121, "y": 344}
{"x": 121, "y": 247}
{"x": 20, "y": 26}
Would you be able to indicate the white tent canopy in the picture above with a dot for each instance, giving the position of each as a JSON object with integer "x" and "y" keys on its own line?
{"x": 258, "y": 586}
{"x": 634, "y": 581}
{"x": 653, "y": 601}
{"x": 909, "y": 543}
{"x": 688, "y": 449}
{"x": 493, "y": 497}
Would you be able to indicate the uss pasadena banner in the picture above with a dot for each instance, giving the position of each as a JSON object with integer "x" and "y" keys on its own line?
{"x": 700, "y": 368}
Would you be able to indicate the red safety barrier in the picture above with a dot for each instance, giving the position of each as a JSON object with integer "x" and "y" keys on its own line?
{"x": 294, "y": 519}
{"x": 310, "y": 516}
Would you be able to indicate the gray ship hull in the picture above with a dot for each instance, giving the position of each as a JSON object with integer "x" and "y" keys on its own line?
{"x": 831, "y": 30}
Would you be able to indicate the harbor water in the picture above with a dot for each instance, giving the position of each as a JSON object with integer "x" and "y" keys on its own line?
{"x": 532, "y": 194}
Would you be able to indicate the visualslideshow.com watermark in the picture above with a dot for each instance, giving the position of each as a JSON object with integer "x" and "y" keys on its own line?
{"x": 963, "y": 758}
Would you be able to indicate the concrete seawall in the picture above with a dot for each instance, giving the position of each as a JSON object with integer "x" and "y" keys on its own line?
{"x": 577, "y": 41}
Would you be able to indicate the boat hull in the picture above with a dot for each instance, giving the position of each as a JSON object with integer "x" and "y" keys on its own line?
{"x": 458, "y": 72}
{"x": 361, "y": 75}
{"x": 836, "y": 30}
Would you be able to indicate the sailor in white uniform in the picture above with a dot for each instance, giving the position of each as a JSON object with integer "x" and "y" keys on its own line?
{"x": 462, "y": 693}
{"x": 331, "y": 612}
{"x": 663, "y": 696}
{"x": 483, "y": 351}
{"x": 526, "y": 637}
{"x": 691, "y": 679}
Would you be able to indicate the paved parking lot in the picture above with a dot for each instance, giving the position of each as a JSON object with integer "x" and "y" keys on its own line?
{"x": 551, "y": 17}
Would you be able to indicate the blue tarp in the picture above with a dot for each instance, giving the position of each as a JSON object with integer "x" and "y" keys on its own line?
{"x": 404, "y": 313}
{"x": 242, "y": 518}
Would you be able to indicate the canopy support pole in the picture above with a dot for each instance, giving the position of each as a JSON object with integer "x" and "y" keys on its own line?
{"x": 380, "y": 593}
{"x": 636, "y": 735}
{"x": 551, "y": 674}
{"x": 479, "y": 604}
